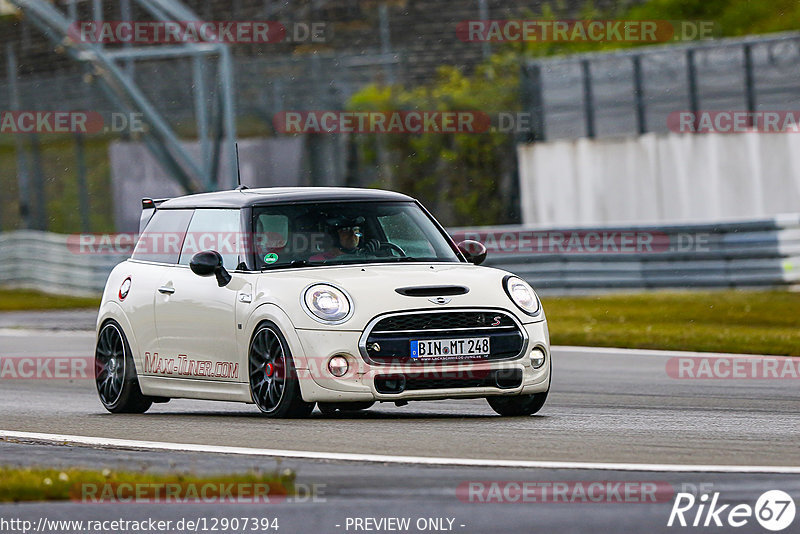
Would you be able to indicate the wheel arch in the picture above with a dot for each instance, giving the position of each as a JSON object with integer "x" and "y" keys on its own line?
{"x": 272, "y": 313}
{"x": 112, "y": 311}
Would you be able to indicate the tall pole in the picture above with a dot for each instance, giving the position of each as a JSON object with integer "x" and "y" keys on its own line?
{"x": 23, "y": 179}
{"x": 588, "y": 97}
{"x": 638, "y": 91}
{"x": 83, "y": 187}
{"x": 691, "y": 76}
{"x": 749, "y": 81}
{"x": 483, "y": 14}
{"x": 386, "y": 41}
{"x": 229, "y": 112}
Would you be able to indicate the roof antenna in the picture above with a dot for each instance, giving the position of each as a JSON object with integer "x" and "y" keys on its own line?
{"x": 239, "y": 170}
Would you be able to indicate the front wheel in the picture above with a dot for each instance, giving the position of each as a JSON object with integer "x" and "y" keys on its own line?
{"x": 273, "y": 378}
{"x": 518, "y": 404}
{"x": 115, "y": 374}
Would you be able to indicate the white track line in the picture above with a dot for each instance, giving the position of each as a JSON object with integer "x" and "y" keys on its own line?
{"x": 378, "y": 458}
{"x": 608, "y": 351}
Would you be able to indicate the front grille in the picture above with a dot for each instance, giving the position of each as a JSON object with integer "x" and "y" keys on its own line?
{"x": 443, "y": 321}
{"x": 389, "y": 339}
{"x": 398, "y": 383}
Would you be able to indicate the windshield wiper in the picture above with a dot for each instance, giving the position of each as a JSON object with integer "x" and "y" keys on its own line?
{"x": 410, "y": 259}
{"x": 292, "y": 265}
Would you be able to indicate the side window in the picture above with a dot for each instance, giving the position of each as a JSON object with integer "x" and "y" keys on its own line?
{"x": 213, "y": 229}
{"x": 162, "y": 239}
{"x": 272, "y": 232}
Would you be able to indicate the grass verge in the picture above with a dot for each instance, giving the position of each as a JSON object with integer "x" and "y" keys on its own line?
{"x": 24, "y": 300}
{"x": 752, "y": 322}
{"x": 40, "y": 484}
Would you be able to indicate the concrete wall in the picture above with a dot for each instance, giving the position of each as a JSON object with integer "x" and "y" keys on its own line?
{"x": 660, "y": 178}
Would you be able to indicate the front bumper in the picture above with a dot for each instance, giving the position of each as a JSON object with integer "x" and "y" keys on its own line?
{"x": 480, "y": 379}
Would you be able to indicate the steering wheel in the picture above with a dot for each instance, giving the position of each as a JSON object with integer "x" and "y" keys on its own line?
{"x": 392, "y": 246}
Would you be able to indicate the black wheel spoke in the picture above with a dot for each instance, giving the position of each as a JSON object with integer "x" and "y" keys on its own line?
{"x": 267, "y": 362}
{"x": 110, "y": 364}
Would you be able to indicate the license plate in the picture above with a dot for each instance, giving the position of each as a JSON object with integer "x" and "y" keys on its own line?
{"x": 450, "y": 348}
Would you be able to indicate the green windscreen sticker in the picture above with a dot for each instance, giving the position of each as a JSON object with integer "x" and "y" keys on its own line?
{"x": 270, "y": 258}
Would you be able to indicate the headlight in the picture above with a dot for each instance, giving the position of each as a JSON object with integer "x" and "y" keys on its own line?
{"x": 522, "y": 295}
{"x": 326, "y": 303}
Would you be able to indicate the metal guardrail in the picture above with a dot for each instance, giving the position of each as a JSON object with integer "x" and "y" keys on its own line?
{"x": 44, "y": 261}
{"x": 735, "y": 254}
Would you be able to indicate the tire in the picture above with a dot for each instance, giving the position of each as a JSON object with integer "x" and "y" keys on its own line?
{"x": 330, "y": 408}
{"x": 115, "y": 374}
{"x": 273, "y": 377}
{"x": 517, "y": 405}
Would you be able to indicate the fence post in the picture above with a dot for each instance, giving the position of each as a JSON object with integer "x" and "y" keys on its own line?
{"x": 588, "y": 97}
{"x": 386, "y": 41}
{"x": 638, "y": 91}
{"x": 83, "y": 188}
{"x": 749, "y": 82}
{"x": 691, "y": 78}
{"x": 23, "y": 179}
{"x": 40, "y": 204}
{"x": 533, "y": 102}
{"x": 483, "y": 14}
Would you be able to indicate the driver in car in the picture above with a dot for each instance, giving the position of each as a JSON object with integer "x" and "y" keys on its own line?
{"x": 347, "y": 238}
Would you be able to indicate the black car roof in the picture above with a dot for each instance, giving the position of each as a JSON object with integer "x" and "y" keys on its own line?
{"x": 274, "y": 195}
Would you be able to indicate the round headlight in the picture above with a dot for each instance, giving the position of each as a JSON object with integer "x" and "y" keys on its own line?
{"x": 522, "y": 295}
{"x": 327, "y": 303}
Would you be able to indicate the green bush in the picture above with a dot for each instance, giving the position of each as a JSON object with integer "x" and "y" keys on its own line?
{"x": 466, "y": 178}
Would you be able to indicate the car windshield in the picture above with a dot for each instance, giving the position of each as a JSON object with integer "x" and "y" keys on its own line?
{"x": 336, "y": 233}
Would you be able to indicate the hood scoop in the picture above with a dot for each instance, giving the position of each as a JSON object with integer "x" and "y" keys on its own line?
{"x": 432, "y": 291}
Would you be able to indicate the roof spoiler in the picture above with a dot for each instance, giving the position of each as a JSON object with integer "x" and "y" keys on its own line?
{"x": 149, "y": 207}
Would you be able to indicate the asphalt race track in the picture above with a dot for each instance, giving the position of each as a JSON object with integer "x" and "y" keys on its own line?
{"x": 606, "y": 406}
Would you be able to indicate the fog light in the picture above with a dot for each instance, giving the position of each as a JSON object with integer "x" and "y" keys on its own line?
{"x": 338, "y": 366}
{"x": 537, "y": 357}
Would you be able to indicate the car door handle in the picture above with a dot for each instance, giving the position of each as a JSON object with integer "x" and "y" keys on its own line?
{"x": 166, "y": 290}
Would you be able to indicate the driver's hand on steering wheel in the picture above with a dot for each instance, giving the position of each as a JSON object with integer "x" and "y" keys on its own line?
{"x": 371, "y": 247}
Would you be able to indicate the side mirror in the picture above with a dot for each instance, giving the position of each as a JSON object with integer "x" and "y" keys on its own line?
{"x": 473, "y": 251}
{"x": 209, "y": 262}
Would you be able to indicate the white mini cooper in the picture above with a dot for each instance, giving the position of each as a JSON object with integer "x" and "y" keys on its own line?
{"x": 291, "y": 297}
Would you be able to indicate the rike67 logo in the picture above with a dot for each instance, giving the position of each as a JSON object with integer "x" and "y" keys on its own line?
{"x": 774, "y": 510}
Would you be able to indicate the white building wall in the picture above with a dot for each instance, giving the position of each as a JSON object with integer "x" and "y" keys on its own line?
{"x": 660, "y": 178}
